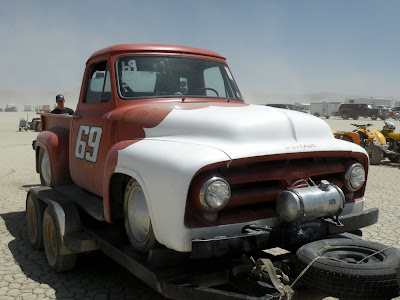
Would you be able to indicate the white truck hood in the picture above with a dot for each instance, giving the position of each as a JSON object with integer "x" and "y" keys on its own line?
{"x": 246, "y": 131}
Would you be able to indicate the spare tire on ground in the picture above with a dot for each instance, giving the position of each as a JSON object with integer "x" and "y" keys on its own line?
{"x": 350, "y": 269}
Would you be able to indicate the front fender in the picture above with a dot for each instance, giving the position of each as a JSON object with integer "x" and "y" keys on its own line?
{"x": 379, "y": 136}
{"x": 56, "y": 142}
{"x": 164, "y": 169}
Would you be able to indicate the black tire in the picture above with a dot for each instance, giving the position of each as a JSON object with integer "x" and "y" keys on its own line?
{"x": 327, "y": 117}
{"x": 374, "y": 116}
{"x": 345, "y": 116}
{"x": 355, "y": 117}
{"x": 137, "y": 219}
{"x": 394, "y": 158}
{"x": 34, "y": 217}
{"x": 316, "y": 115}
{"x": 374, "y": 278}
{"x": 375, "y": 154}
{"x": 52, "y": 240}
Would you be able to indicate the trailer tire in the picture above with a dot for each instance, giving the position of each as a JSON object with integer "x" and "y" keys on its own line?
{"x": 327, "y": 117}
{"x": 34, "y": 217}
{"x": 375, "y": 154}
{"x": 342, "y": 276}
{"x": 52, "y": 240}
{"x": 316, "y": 114}
{"x": 44, "y": 168}
{"x": 137, "y": 218}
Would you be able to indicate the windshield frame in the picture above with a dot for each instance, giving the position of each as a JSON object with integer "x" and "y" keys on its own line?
{"x": 235, "y": 88}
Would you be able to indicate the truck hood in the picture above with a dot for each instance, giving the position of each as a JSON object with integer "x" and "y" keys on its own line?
{"x": 247, "y": 130}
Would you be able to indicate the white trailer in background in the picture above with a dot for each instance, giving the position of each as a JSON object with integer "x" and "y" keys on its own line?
{"x": 325, "y": 109}
{"x": 27, "y": 107}
{"x": 372, "y": 100}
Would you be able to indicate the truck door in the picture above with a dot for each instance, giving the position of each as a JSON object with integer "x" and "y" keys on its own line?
{"x": 89, "y": 139}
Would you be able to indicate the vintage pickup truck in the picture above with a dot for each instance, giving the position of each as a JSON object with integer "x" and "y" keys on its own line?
{"x": 163, "y": 141}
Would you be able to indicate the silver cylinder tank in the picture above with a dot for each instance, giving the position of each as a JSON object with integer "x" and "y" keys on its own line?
{"x": 310, "y": 202}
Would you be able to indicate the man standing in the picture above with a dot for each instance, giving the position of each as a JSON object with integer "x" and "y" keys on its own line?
{"x": 61, "y": 109}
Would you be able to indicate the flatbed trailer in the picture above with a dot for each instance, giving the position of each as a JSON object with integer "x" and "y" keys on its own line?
{"x": 174, "y": 275}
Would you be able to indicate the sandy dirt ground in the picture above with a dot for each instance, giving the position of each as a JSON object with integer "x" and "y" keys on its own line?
{"x": 24, "y": 273}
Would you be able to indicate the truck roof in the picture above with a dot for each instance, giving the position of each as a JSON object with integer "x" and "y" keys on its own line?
{"x": 155, "y": 48}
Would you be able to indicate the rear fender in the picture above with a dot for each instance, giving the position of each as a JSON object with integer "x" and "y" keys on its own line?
{"x": 379, "y": 136}
{"x": 56, "y": 142}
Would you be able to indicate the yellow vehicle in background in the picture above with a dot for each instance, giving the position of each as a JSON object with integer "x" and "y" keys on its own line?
{"x": 392, "y": 139}
{"x": 373, "y": 141}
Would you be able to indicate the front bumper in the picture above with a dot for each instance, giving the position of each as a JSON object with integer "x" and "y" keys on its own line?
{"x": 273, "y": 237}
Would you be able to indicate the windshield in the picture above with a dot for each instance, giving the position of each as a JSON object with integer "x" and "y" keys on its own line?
{"x": 155, "y": 76}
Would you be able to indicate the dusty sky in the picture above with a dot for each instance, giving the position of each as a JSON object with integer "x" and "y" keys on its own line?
{"x": 341, "y": 46}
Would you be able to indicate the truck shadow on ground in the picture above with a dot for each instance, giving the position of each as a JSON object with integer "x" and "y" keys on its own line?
{"x": 96, "y": 276}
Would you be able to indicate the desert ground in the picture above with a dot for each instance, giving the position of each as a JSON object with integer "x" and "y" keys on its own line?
{"x": 24, "y": 273}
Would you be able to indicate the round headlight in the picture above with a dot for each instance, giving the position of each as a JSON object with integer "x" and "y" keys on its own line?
{"x": 215, "y": 193}
{"x": 355, "y": 177}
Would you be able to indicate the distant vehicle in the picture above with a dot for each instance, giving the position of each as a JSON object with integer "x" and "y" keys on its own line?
{"x": 394, "y": 111}
{"x": 287, "y": 106}
{"x": 355, "y": 111}
{"x": 325, "y": 109}
{"x": 11, "y": 107}
{"x": 1, "y": 109}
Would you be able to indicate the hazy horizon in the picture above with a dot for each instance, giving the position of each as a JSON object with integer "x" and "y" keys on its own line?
{"x": 272, "y": 47}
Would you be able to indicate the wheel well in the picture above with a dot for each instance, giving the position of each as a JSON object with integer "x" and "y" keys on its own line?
{"x": 118, "y": 185}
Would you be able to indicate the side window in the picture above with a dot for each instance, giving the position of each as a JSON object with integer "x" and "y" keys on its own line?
{"x": 98, "y": 88}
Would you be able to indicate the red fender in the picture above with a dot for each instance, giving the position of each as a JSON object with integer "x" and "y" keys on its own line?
{"x": 56, "y": 142}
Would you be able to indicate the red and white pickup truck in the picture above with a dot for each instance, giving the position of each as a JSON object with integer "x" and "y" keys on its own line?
{"x": 163, "y": 141}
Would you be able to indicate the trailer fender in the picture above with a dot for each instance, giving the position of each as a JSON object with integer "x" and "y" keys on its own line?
{"x": 68, "y": 220}
{"x": 56, "y": 142}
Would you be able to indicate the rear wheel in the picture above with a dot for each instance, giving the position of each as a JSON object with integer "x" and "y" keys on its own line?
{"x": 137, "y": 218}
{"x": 350, "y": 269}
{"x": 374, "y": 116}
{"x": 355, "y": 117}
{"x": 52, "y": 239}
{"x": 375, "y": 154}
{"x": 44, "y": 168}
{"x": 345, "y": 116}
{"x": 394, "y": 158}
{"x": 34, "y": 217}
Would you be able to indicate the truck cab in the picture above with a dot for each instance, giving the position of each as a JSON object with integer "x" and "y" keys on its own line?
{"x": 163, "y": 142}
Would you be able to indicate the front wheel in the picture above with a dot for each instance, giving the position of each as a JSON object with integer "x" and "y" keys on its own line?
{"x": 137, "y": 218}
{"x": 374, "y": 117}
{"x": 375, "y": 154}
{"x": 345, "y": 116}
{"x": 350, "y": 269}
{"x": 52, "y": 240}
